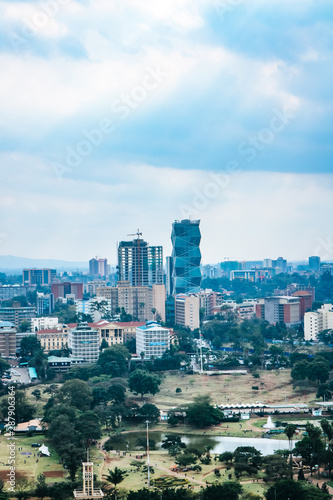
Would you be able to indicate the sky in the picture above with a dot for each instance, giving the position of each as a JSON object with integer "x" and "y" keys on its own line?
{"x": 124, "y": 115}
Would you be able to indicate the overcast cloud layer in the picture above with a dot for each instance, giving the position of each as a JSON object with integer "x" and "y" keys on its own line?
{"x": 119, "y": 115}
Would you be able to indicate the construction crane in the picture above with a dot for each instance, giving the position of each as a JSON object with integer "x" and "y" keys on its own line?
{"x": 138, "y": 234}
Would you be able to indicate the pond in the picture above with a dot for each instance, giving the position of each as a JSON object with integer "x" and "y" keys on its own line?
{"x": 219, "y": 444}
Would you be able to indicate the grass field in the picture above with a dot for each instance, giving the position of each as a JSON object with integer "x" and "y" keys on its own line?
{"x": 275, "y": 387}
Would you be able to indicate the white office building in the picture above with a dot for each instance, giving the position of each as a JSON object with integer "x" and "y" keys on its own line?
{"x": 318, "y": 321}
{"x": 44, "y": 323}
{"x": 84, "y": 342}
{"x": 152, "y": 339}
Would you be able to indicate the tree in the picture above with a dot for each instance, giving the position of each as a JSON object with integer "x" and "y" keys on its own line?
{"x": 289, "y": 432}
{"x": 76, "y": 393}
{"x": 4, "y": 366}
{"x": 149, "y": 412}
{"x": 29, "y": 345}
{"x": 248, "y": 455}
{"x": 144, "y": 494}
{"x": 172, "y": 440}
{"x": 284, "y": 489}
{"x": 116, "y": 393}
{"x": 37, "y": 394}
{"x": 319, "y": 370}
{"x": 113, "y": 360}
{"x": 142, "y": 382}
{"x": 25, "y": 326}
{"x": 186, "y": 459}
{"x": 89, "y": 426}
{"x": 300, "y": 370}
{"x": 115, "y": 477}
{"x": 227, "y": 456}
{"x": 311, "y": 447}
{"x": 276, "y": 467}
{"x": 226, "y": 491}
{"x": 201, "y": 413}
{"x": 324, "y": 392}
{"x": 41, "y": 489}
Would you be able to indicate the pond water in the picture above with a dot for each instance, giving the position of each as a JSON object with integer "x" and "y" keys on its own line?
{"x": 219, "y": 444}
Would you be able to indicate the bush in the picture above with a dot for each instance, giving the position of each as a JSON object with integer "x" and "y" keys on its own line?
{"x": 178, "y": 390}
{"x": 255, "y": 388}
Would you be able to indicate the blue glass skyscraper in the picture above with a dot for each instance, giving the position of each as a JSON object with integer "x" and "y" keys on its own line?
{"x": 186, "y": 256}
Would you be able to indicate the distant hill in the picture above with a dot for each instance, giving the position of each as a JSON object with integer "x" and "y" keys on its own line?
{"x": 12, "y": 263}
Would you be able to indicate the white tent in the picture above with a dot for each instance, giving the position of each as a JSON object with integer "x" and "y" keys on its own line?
{"x": 44, "y": 450}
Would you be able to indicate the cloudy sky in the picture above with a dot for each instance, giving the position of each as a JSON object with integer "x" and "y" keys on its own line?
{"x": 118, "y": 115}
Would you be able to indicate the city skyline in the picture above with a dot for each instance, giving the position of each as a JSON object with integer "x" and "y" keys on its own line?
{"x": 220, "y": 111}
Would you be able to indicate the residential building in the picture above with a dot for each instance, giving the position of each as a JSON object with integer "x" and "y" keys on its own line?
{"x": 84, "y": 342}
{"x": 152, "y": 339}
{"x": 53, "y": 339}
{"x": 318, "y": 321}
{"x": 305, "y": 299}
{"x": 314, "y": 264}
{"x": 43, "y": 323}
{"x": 7, "y": 339}
{"x": 45, "y": 303}
{"x": 186, "y": 256}
{"x": 93, "y": 267}
{"x": 8, "y": 292}
{"x": 187, "y": 310}
{"x": 103, "y": 267}
{"x": 208, "y": 301}
{"x": 92, "y": 286}
{"x": 95, "y": 307}
{"x": 279, "y": 309}
{"x": 139, "y": 263}
{"x": 244, "y": 310}
{"x": 62, "y": 290}
{"x": 137, "y": 301}
{"x": 16, "y": 314}
{"x": 39, "y": 276}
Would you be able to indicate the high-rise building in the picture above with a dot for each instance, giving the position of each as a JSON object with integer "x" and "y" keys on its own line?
{"x": 318, "y": 321}
{"x": 187, "y": 311}
{"x": 279, "y": 309}
{"x": 139, "y": 263}
{"x": 186, "y": 256}
{"x": 314, "y": 264}
{"x": 38, "y": 276}
{"x": 103, "y": 267}
{"x": 93, "y": 267}
{"x": 45, "y": 303}
{"x": 138, "y": 301}
{"x": 7, "y": 339}
{"x": 168, "y": 276}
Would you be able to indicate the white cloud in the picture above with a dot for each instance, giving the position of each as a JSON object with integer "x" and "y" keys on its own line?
{"x": 257, "y": 215}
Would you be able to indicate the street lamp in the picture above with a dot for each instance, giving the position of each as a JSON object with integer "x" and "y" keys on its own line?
{"x": 147, "y": 422}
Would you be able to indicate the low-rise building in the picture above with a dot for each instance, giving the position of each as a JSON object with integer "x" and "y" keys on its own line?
{"x": 152, "y": 339}
{"x": 16, "y": 314}
{"x": 62, "y": 364}
{"x": 43, "y": 323}
{"x": 53, "y": 339}
{"x": 129, "y": 329}
{"x": 84, "y": 342}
